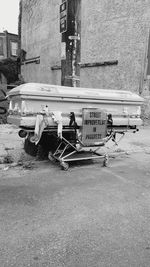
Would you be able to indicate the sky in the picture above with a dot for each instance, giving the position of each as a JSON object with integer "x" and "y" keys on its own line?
{"x": 9, "y": 11}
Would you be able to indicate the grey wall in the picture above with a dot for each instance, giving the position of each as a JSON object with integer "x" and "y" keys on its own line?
{"x": 111, "y": 30}
{"x": 40, "y": 37}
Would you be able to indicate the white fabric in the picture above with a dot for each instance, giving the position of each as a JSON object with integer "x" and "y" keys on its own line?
{"x": 41, "y": 123}
{"x": 23, "y": 107}
{"x": 57, "y": 117}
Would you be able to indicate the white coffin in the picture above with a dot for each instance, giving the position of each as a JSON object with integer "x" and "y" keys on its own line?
{"x": 30, "y": 99}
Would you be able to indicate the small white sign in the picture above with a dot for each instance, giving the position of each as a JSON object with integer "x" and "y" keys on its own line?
{"x": 75, "y": 37}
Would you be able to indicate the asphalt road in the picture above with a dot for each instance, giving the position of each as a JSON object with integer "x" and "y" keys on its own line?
{"x": 88, "y": 216}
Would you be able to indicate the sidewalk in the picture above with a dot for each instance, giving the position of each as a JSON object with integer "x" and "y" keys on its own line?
{"x": 12, "y": 145}
{"x": 133, "y": 142}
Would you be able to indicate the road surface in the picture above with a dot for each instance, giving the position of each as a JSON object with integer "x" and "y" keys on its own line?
{"x": 89, "y": 216}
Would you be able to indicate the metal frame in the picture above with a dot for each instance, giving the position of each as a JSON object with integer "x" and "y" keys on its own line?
{"x": 68, "y": 152}
{"x": 70, "y": 148}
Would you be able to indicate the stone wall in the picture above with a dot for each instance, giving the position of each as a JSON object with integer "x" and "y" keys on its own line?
{"x": 111, "y": 30}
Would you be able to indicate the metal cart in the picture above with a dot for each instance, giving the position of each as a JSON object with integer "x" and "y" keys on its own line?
{"x": 83, "y": 143}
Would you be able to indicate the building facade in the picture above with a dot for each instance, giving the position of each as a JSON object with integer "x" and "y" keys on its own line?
{"x": 8, "y": 45}
{"x": 111, "y": 31}
{"x": 8, "y": 53}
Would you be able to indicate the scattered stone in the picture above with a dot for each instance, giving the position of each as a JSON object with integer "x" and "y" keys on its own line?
{"x": 128, "y": 152}
{"x": 28, "y": 165}
{"x": 113, "y": 156}
{"x": 1, "y": 160}
{"x": 118, "y": 150}
{"x": 9, "y": 148}
{"x": 6, "y": 168}
{"x": 8, "y": 159}
{"x": 14, "y": 164}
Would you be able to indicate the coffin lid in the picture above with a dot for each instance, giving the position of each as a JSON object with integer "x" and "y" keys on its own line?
{"x": 47, "y": 90}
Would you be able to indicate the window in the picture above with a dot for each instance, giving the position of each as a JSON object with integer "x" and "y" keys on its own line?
{"x": 1, "y": 47}
{"x": 14, "y": 48}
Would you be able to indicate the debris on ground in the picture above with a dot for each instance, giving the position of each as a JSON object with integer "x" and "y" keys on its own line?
{"x": 27, "y": 165}
{"x": 12, "y": 153}
{"x": 6, "y": 168}
{"x": 8, "y": 159}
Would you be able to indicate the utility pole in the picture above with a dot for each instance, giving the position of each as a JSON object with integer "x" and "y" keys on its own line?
{"x": 70, "y": 27}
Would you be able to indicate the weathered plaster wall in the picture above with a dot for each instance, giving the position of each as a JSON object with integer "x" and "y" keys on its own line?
{"x": 115, "y": 30}
{"x": 40, "y": 37}
{"x": 111, "y": 30}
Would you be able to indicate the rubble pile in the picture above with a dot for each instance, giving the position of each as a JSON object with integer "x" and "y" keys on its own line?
{"x": 11, "y": 145}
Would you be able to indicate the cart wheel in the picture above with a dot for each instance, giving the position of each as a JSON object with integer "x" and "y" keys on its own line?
{"x": 50, "y": 156}
{"x": 30, "y": 148}
{"x": 106, "y": 161}
{"x": 64, "y": 166}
